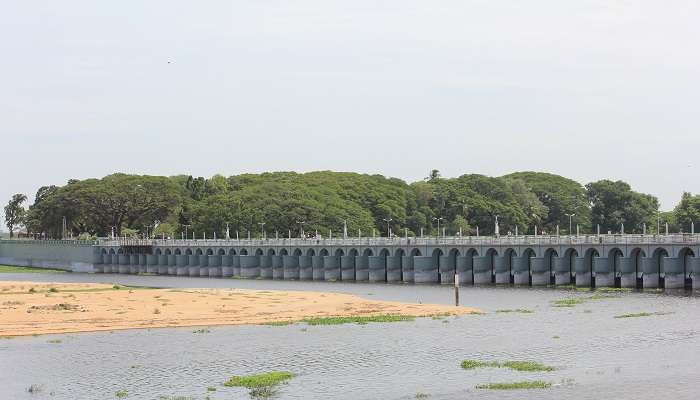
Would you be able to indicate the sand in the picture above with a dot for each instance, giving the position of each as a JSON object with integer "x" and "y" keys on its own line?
{"x": 67, "y": 308}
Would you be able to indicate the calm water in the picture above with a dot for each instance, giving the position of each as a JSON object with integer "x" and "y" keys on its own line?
{"x": 597, "y": 355}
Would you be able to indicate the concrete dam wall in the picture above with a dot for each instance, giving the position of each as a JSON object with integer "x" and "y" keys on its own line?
{"x": 606, "y": 260}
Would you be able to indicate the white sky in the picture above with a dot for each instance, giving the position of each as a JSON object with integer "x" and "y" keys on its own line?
{"x": 588, "y": 89}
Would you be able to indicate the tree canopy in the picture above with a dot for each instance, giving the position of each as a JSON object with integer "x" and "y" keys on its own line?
{"x": 325, "y": 201}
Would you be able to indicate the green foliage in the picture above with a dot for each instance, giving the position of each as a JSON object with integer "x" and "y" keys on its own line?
{"x": 686, "y": 212}
{"x": 615, "y": 203}
{"x": 559, "y": 196}
{"x": 515, "y": 385}
{"x": 12, "y": 269}
{"x": 15, "y": 214}
{"x": 266, "y": 379}
{"x": 521, "y": 366}
{"x": 324, "y": 200}
{"x": 357, "y": 320}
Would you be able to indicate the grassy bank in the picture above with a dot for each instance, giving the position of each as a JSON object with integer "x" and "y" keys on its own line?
{"x": 515, "y": 385}
{"x": 10, "y": 269}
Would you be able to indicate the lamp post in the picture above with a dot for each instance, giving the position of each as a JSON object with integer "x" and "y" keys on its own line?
{"x": 262, "y": 230}
{"x": 186, "y": 226}
{"x": 388, "y": 227}
{"x": 301, "y": 228}
{"x": 658, "y": 222}
{"x": 438, "y": 219}
{"x": 571, "y": 218}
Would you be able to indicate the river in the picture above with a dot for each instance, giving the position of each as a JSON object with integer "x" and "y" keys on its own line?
{"x": 595, "y": 354}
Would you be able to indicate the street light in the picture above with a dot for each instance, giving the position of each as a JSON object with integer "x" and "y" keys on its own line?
{"x": 301, "y": 229}
{"x": 262, "y": 231}
{"x": 388, "y": 227}
{"x": 186, "y": 226}
{"x": 571, "y": 216}
{"x": 438, "y": 223}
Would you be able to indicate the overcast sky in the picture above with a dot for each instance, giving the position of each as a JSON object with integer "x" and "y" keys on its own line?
{"x": 589, "y": 89}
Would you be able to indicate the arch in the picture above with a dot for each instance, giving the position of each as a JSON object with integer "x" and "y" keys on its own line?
{"x": 210, "y": 252}
{"x": 159, "y": 252}
{"x": 243, "y": 252}
{"x": 283, "y": 252}
{"x": 111, "y": 251}
{"x": 221, "y": 252}
{"x": 588, "y": 258}
{"x": 509, "y": 254}
{"x": 614, "y": 256}
{"x": 310, "y": 252}
{"x": 367, "y": 253}
{"x": 339, "y": 253}
{"x": 684, "y": 256}
{"x": 297, "y": 252}
{"x": 168, "y": 252}
{"x": 636, "y": 256}
{"x": 528, "y": 254}
{"x": 178, "y": 252}
{"x": 384, "y": 253}
{"x": 188, "y": 252}
{"x": 232, "y": 252}
{"x": 199, "y": 252}
{"x": 658, "y": 257}
{"x": 259, "y": 252}
{"x": 104, "y": 251}
{"x": 415, "y": 252}
{"x": 399, "y": 252}
{"x": 323, "y": 252}
{"x": 549, "y": 256}
{"x": 353, "y": 252}
{"x": 120, "y": 251}
{"x": 270, "y": 252}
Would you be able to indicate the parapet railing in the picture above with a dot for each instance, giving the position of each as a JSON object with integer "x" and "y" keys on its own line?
{"x": 52, "y": 242}
{"x": 524, "y": 240}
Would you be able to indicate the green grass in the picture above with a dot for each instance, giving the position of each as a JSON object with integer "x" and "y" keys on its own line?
{"x": 279, "y": 323}
{"x": 517, "y": 310}
{"x": 571, "y": 302}
{"x": 9, "y": 269}
{"x": 613, "y": 290}
{"x": 358, "y": 320}
{"x": 522, "y": 366}
{"x": 515, "y": 385}
{"x": 640, "y": 314}
{"x": 266, "y": 379}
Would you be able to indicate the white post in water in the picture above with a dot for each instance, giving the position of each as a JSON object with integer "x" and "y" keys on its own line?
{"x": 456, "y": 289}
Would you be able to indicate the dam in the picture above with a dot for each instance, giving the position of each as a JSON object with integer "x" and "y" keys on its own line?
{"x": 626, "y": 261}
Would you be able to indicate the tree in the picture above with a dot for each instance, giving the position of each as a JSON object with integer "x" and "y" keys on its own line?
{"x": 15, "y": 213}
{"x": 615, "y": 203}
{"x": 687, "y": 212}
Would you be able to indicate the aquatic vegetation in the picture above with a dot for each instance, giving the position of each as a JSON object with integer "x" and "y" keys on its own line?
{"x": 641, "y": 314}
{"x": 53, "y": 290}
{"x": 613, "y": 290}
{"x": 55, "y": 341}
{"x": 515, "y": 385}
{"x": 517, "y": 310}
{"x": 120, "y": 394}
{"x": 358, "y": 319}
{"x": 421, "y": 396}
{"x": 260, "y": 380}
{"x": 201, "y": 330}
{"x": 278, "y": 323}
{"x": 570, "y": 302}
{"x": 12, "y": 303}
{"x": 12, "y": 269}
{"x": 556, "y": 337}
{"x": 522, "y": 366}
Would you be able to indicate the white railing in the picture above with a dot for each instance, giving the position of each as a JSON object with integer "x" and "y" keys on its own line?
{"x": 523, "y": 240}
